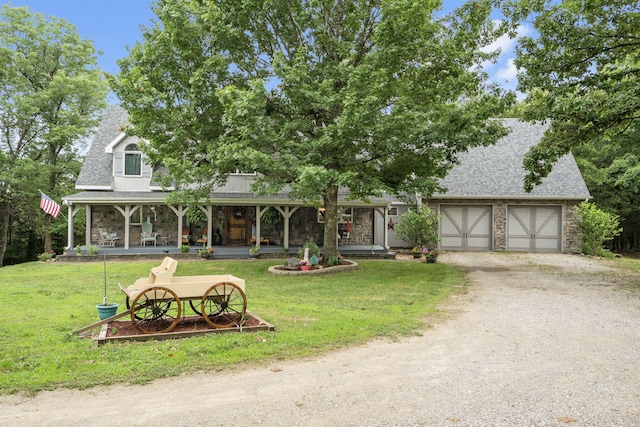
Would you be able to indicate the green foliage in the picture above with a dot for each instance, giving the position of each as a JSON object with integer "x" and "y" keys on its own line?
{"x": 271, "y": 216}
{"x": 418, "y": 227}
{"x": 185, "y": 249}
{"x": 334, "y": 260}
{"x": 308, "y": 317}
{"x": 195, "y": 214}
{"x": 313, "y": 247}
{"x": 582, "y": 71}
{"x": 612, "y": 173}
{"x": 51, "y": 92}
{"x": 596, "y": 227}
{"x": 93, "y": 250}
{"x": 313, "y": 96}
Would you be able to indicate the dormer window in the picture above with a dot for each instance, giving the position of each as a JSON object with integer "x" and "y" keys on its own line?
{"x": 132, "y": 160}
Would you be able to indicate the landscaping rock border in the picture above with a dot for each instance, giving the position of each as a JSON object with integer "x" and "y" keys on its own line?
{"x": 316, "y": 272}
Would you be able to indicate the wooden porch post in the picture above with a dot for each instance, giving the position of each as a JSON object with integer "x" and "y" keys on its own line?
{"x": 87, "y": 226}
{"x": 286, "y": 213}
{"x": 70, "y": 215}
{"x": 127, "y": 211}
{"x": 180, "y": 211}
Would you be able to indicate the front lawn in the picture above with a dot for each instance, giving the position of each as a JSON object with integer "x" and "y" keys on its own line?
{"x": 42, "y": 303}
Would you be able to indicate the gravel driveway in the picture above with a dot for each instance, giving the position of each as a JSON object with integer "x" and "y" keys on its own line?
{"x": 539, "y": 340}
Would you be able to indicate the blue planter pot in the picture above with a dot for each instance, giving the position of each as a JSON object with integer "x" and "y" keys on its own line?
{"x": 105, "y": 311}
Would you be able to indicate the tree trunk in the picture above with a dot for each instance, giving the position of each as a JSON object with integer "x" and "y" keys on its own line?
{"x": 4, "y": 229}
{"x": 330, "y": 244}
{"x": 47, "y": 233}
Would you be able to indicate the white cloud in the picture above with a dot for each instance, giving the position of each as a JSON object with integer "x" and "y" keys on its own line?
{"x": 508, "y": 71}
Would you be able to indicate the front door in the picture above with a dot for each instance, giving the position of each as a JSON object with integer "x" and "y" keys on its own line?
{"x": 236, "y": 225}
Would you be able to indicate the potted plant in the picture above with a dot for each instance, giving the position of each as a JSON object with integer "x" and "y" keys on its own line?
{"x": 254, "y": 251}
{"x": 185, "y": 249}
{"x": 430, "y": 255}
{"x": 305, "y": 265}
{"x": 106, "y": 309}
{"x": 78, "y": 250}
{"x": 419, "y": 228}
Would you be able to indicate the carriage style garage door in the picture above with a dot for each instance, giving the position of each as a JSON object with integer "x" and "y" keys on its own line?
{"x": 534, "y": 228}
{"x": 465, "y": 227}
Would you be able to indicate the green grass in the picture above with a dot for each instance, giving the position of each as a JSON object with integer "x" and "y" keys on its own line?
{"x": 43, "y": 303}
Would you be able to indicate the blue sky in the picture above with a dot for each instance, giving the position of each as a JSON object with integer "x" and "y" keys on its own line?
{"x": 115, "y": 24}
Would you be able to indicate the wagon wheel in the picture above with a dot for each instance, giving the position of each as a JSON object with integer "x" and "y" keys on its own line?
{"x": 224, "y": 305}
{"x": 195, "y": 307}
{"x": 128, "y": 302}
{"x": 154, "y": 311}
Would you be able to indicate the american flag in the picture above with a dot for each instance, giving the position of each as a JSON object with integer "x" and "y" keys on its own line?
{"x": 49, "y": 206}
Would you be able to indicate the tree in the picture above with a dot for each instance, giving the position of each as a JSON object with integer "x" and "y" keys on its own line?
{"x": 612, "y": 175}
{"x": 596, "y": 227}
{"x": 583, "y": 73}
{"x": 376, "y": 96}
{"x": 51, "y": 92}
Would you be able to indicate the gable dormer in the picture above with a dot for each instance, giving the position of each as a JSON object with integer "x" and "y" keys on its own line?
{"x": 130, "y": 171}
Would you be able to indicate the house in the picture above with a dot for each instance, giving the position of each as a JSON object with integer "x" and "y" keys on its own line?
{"x": 119, "y": 195}
{"x": 484, "y": 207}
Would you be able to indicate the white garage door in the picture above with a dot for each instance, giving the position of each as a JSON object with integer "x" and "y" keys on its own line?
{"x": 534, "y": 228}
{"x": 465, "y": 227}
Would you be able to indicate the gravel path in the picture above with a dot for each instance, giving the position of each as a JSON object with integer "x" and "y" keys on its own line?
{"x": 539, "y": 340}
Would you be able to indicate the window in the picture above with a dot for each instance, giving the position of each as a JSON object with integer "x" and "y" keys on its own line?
{"x": 132, "y": 160}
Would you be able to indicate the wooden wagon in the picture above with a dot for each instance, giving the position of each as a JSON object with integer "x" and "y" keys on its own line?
{"x": 156, "y": 303}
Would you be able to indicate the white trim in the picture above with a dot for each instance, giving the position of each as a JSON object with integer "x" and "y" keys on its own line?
{"x": 109, "y": 148}
{"x": 94, "y": 187}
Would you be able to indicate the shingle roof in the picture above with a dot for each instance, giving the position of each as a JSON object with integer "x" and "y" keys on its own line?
{"x": 97, "y": 168}
{"x": 497, "y": 172}
{"x": 484, "y": 172}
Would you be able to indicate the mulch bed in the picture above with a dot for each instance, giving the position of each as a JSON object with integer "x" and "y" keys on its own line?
{"x": 185, "y": 324}
{"x": 125, "y": 330}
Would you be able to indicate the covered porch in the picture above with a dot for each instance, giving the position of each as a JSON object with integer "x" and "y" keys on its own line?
{"x": 143, "y": 222}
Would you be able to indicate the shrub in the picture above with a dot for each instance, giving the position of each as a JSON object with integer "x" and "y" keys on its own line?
{"x": 185, "y": 249}
{"x": 596, "y": 227}
{"x": 93, "y": 250}
{"x": 313, "y": 249}
{"x": 334, "y": 260}
{"x": 418, "y": 227}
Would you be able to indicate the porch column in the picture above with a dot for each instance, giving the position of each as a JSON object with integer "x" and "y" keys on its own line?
{"x": 385, "y": 227}
{"x": 259, "y": 213}
{"x": 87, "y": 226}
{"x": 70, "y": 214}
{"x": 180, "y": 211}
{"x": 209, "y": 225}
{"x": 286, "y": 213}
{"x": 127, "y": 211}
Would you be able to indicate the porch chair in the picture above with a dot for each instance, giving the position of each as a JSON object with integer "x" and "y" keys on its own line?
{"x": 106, "y": 238}
{"x": 147, "y": 234}
{"x": 204, "y": 237}
{"x": 186, "y": 237}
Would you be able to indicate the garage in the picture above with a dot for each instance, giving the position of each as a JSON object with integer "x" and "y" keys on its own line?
{"x": 534, "y": 228}
{"x": 466, "y": 227}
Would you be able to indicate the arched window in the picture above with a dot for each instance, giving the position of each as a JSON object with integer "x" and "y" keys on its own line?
{"x": 132, "y": 160}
